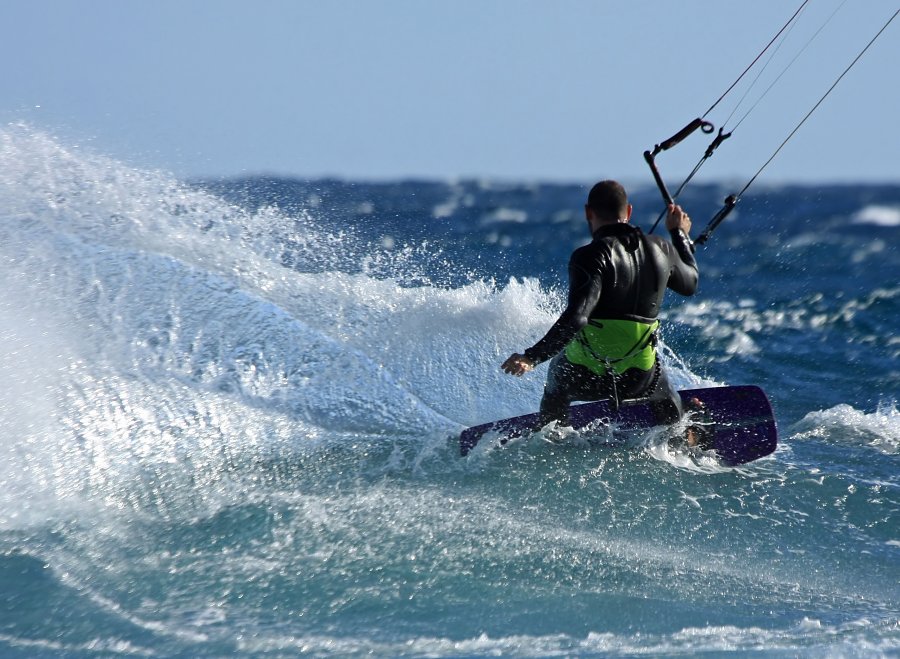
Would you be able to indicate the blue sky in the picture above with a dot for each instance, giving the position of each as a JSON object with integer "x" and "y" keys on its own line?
{"x": 570, "y": 90}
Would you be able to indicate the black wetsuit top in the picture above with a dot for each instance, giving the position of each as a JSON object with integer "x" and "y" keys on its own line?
{"x": 621, "y": 274}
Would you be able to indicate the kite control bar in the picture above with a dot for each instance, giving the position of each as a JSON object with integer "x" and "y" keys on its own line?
{"x": 665, "y": 145}
{"x": 707, "y": 127}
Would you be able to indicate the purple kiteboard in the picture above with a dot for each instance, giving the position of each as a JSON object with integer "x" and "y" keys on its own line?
{"x": 735, "y": 422}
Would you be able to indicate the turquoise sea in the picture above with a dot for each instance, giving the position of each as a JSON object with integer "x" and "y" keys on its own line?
{"x": 228, "y": 407}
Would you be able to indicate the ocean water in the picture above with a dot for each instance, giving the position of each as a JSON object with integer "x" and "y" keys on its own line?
{"x": 228, "y": 407}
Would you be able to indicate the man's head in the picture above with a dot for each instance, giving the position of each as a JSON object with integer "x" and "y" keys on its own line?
{"x": 607, "y": 203}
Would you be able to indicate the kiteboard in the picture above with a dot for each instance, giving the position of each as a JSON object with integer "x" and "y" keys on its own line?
{"x": 736, "y": 423}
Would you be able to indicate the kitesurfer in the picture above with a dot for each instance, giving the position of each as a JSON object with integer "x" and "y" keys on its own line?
{"x": 603, "y": 346}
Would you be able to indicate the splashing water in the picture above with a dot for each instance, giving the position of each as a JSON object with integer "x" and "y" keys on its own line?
{"x": 227, "y": 431}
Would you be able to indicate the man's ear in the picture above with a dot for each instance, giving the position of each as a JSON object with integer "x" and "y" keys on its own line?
{"x": 628, "y": 213}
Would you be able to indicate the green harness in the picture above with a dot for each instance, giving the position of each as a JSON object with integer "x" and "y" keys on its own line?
{"x": 618, "y": 344}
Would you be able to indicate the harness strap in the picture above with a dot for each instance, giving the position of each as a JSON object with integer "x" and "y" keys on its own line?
{"x": 648, "y": 336}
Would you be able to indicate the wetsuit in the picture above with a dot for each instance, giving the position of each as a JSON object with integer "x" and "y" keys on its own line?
{"x": 604, "y": 344}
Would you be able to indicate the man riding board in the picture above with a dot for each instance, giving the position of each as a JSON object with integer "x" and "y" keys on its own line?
{"x": 603, "y": 346}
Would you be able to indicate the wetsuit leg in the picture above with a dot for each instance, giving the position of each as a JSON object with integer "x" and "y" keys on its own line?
{"x": 664, "y": 399}
{"x": 568, "y": 382}
{"x": 561, "y": 379}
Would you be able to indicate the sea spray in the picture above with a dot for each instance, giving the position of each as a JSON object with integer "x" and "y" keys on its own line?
{"x": 228, "y": 429}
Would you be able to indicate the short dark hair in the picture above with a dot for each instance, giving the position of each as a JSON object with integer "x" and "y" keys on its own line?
{"x": 608, "y": 200}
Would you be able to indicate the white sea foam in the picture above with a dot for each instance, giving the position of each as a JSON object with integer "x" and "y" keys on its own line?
{"x": 879, "y": 429}
{"x": 505, "y": 216}
{"x": 175, "y": 316}
{"x": 147, "y": 316}
{"x": 808, "y": 637}
{"x": 885, "y": 216}
{"x": 36, "y": 354}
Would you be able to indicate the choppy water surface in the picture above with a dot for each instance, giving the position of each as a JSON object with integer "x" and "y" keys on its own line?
{"x": 226, "y": 412}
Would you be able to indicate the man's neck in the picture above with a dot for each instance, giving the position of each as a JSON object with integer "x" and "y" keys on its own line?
{"x": 598, "y": 225}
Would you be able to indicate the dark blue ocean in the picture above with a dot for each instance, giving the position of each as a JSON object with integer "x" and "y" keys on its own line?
{"x": 227, "y": 415}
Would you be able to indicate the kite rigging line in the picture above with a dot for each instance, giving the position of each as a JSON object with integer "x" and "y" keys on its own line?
{"x": 732, "y": 200}
{"x": 707, "y": 127}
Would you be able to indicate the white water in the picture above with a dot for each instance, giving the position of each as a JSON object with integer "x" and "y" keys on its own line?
{"x": 161, "y": 362}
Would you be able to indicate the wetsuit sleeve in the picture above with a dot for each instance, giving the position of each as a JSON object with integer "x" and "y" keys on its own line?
{"x": 683, "y": 273}
{"x": 584, "y": 293}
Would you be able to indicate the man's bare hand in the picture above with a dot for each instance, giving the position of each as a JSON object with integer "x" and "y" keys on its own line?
{"x": 517, "y": 364}
{"x": 678, "y": 219}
